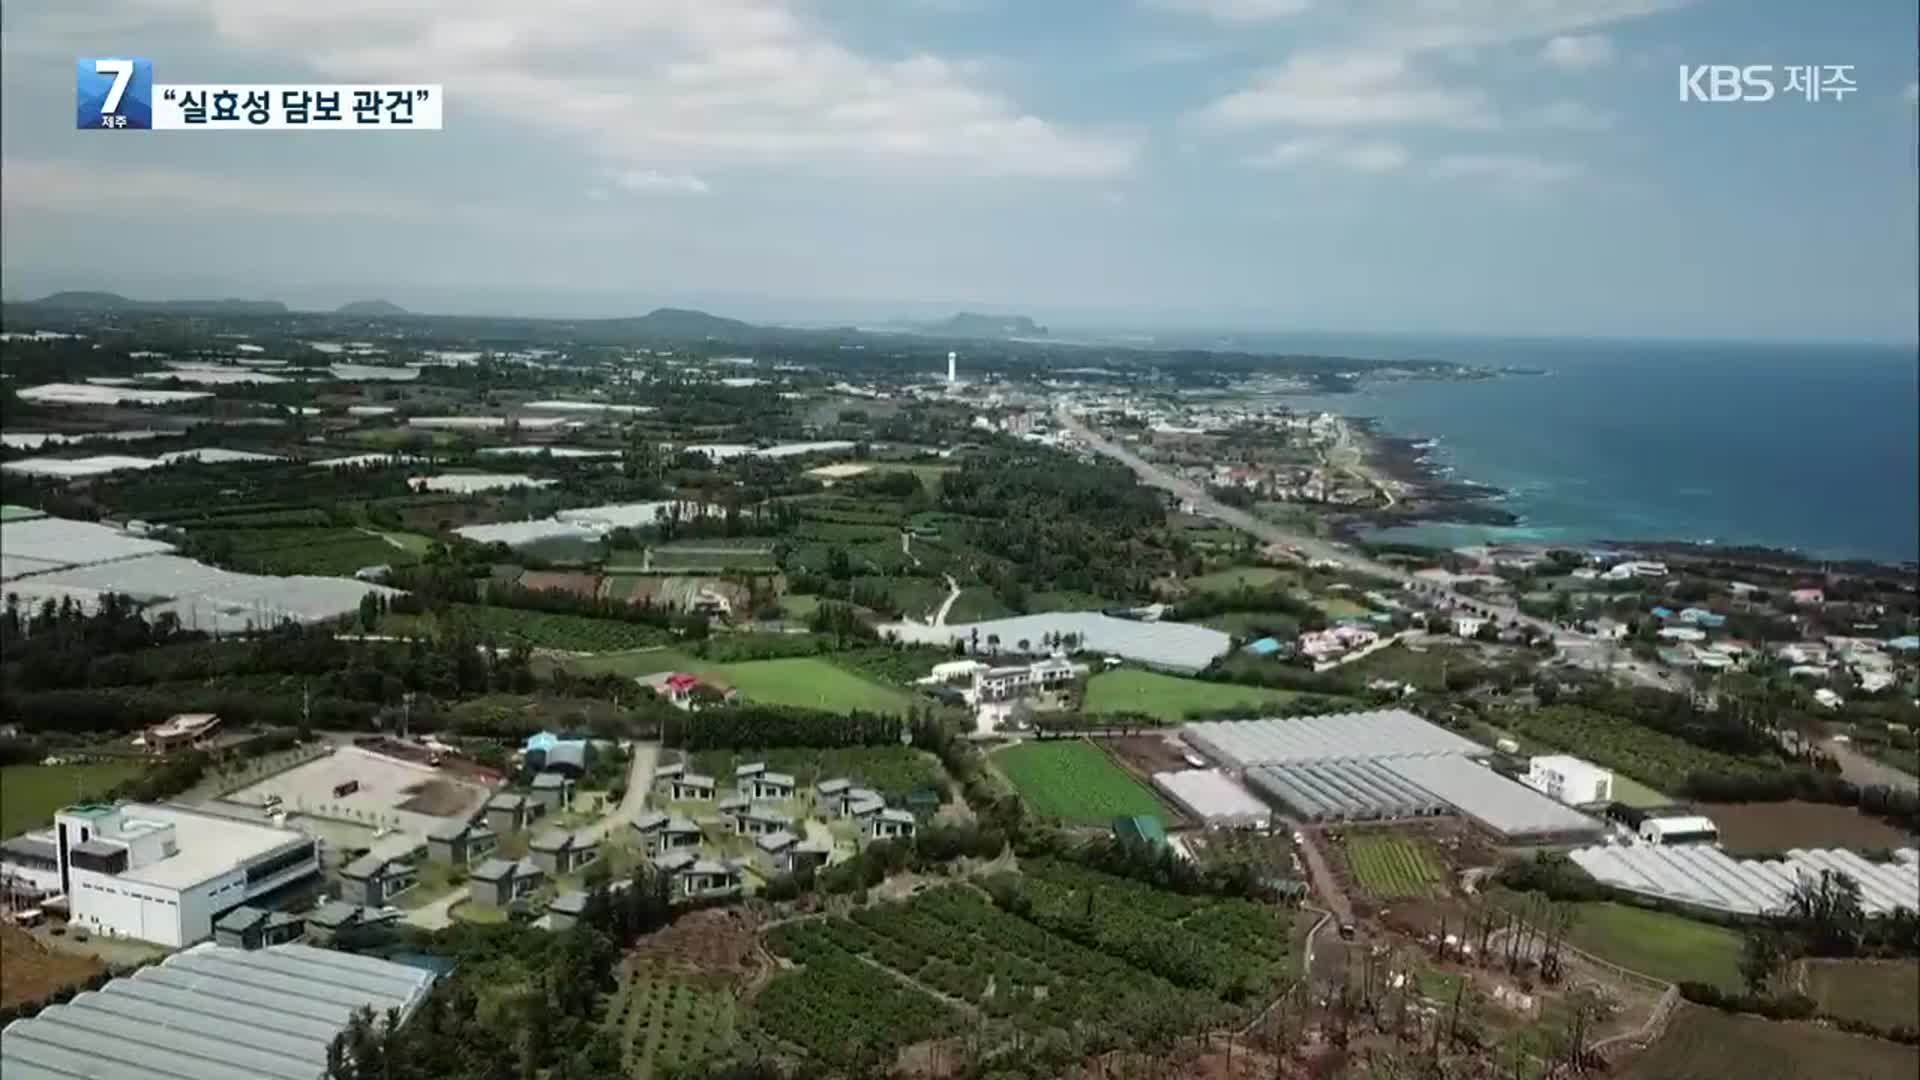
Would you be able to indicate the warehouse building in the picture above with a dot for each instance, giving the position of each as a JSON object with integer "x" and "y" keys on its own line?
{"x": 212, "y": 1013}
{"x": 164, "y": 874}
{"x": 1569, "y": 779}
{"x": 1214, "y": 797}
{"x": 1241, "y": 744}
{"x": 1704, "y": 875}
{"x": 1513, "y": 811}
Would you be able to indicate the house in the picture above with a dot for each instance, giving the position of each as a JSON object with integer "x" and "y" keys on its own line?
{"x": 1049, "y": 676}
{"x": 511, "y": 812}
{"x": 733, "y": 806}
{"x": 330, "y": 919}
{"x": 888, "y": 825}
{"x": 647, "y": 829}
{"x": 1662, "y": 613}
{"x": 382, "y": 873}
{"x": 678, "y": 834}
{"x": 827, "y": 795}
{"x": 696, "y": 878}
{"x": 771, "y": 787}
{"x": 1467, "y": 626}
{"x": 553, "y": 791}
{"x": 1266, "y": 646}
{"x": 774, "y": 851}
{"x": 1141, "y": 828}
{"x": 181, "y": 729}
{"x": 497, "y": 883}
{"x": 1569, "y": 779}
{"x": 549, "y": 752}
{"x": 683, "y": 690}
{"x": 860, "y": 803}
{"x": 742, "y": 774}
{"x": 249, "y": 927}
{"x": 566, "y": 909}
{"x": 665, "y": 775}
{"x": 754, "y": 822}
{"x": 690, "y": 786}
{"x": 459, "y": 843}
{"x": 1669, "y": 831}
{"x": 560, "y": 852}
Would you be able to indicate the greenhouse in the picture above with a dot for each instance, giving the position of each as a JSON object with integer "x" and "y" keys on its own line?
{"x": 1710, "y": 878}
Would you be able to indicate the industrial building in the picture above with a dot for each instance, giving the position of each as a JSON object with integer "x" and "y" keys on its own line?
{"x": 1344, "y": 791}
{"x": 1214, "y": 798}
{"x": 1240, "y": 744}
{"x": 163, "y": 873}
{"x": 1703, "y": 875}
{"x": 1569, "y": 779}
{"x": 212, "y": 1013}
{"x": 1681, "y": 829}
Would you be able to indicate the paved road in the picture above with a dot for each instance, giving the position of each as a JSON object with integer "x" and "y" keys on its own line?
{"x": 953, "y": 593}
{"x": 437, "y": 915}
{"x": 639, "y": 782}
{"x": 1313, "y": 546}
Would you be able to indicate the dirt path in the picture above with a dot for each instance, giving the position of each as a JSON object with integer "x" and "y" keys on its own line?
{"x": 1324, "y": 883}
{"x": 437, "y": 915}
{"x": 953, "y": 593}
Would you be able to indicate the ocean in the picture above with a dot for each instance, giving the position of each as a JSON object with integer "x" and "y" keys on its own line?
{"x": 1808, "y": 447}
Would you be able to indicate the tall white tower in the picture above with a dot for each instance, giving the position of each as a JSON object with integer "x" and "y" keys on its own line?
{"x": 953, "y": 368}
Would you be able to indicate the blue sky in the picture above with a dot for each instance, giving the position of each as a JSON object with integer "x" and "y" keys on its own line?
{"x": 1496, "y": 166}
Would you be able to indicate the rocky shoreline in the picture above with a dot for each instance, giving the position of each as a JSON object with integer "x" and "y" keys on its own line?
{"x": 1429, "y": 492}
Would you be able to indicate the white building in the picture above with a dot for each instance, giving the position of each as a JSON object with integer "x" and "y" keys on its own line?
{"x": 1687, "y": 829}
{"x": 1569, "y": 779}
{"x": 1025, "y": 680}
{"x": 164, "y": 874}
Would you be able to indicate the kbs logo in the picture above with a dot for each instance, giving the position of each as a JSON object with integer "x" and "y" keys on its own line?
{"x": 1756, "y": 82}
{"x": 113, "y": 93}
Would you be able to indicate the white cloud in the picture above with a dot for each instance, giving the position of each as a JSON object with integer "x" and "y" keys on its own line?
{"x": 1511, "y": 170}
{"x": 1366, "y": 157}
{"x": 1570, "y": 116}
{"x": 1350, "y": 89}
{"x": 1234, "y": 11}
{"x": 1578, "y": 52}
{"x": 677, "y": 86}
{"x": 653, "y": 180}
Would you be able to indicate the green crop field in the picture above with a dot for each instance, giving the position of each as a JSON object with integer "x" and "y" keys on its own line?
{"x": 1392, "y": 867}
{"x": 539, "y": 629}
{"x": 1236, "y": 578}
{"x": 1074, "y": 781}
{"x": 1658, "y": 944}
{"x": 1706, "y": 1044}
{"x": 1634, "y": 793}
{"x": 634, "y": 663}
{"x": 1170, "y": 698}
{"x": 304, "y": 550}
{"x": 29, "y": 794}
{"x": 808, "y": 682}
{"x": 1881, "y": 992}
{"x": 669, "y": 1025}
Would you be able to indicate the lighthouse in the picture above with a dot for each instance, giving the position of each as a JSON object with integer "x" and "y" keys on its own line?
{"x": 953, "y": 368}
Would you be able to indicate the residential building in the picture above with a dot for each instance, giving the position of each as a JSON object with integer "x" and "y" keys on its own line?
{"x": 1012, "y": 681}
{"x": 565, "y": 909}
{"x": 690, "y": 786}
{"x": 757, "y": 822}
{"x": 647, "y": 829}
{"x": 1569, "y": 779}
{"x": 327, "y": 921}
{"x": 771, "y": 787}
{"x": 859, "y": 804}
{"x": 386, "y": 871}
{"x": 692, "y": 877}
{"x": 459, "y": 843}
{"x": 248, "y": 927}
{"x": 888, "y": 825}
{"x": 181, "y": 730}
{"x": 553, "y": 791}
{"x": 559, "y": 852}
{"x": 498, "y": 883}
{"x": 774, "y": 851}
{"x": 827, "y": 795}
{"x": 512, "y": 812}
{"x": 165, "y": 873}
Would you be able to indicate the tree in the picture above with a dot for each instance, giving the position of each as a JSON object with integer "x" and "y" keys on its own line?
{"x": 1762, "y": 956}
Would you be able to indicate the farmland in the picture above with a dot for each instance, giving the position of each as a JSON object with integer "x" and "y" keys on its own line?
{"x": 1084, "y": 949}
{"x": 29, "y": 970}
{"x": 1392, "y": 867}
{"x": 1765, "y": 828}
{"x": 1237, "y": 577}
{"x": 1705, "y": 1044}
{"x": 546, "y": 630}
{"x": 301, "y": 550}
{"x": 1074, "y": 781}
{"x": 29, "y": 794}
{"x": 1885, "y": 993}
{"x": 1650, "y": 756}
{"x": 808, "y": 682}
{"x": 668, "y": 1023}
{"x": 1658, "y": 944}
{"x": 1169, "y": 698}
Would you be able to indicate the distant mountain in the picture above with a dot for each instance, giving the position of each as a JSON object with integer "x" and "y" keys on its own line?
{"x": 106, "y": 302}
{"x": 971, "y": 324}
{"x": 680, "y": 323}
{"x": 371, "y": 309}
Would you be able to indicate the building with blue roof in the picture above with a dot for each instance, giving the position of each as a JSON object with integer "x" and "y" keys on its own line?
{"x": 1266, "y": 646}
{"x": 1662, "y": 613}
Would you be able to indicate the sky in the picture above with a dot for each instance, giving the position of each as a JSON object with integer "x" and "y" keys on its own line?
{"x": 1455, "y": 166}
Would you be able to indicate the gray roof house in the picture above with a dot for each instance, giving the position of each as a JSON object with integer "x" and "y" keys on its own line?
{"x": 565, "y": 909}
{"x": 690, "y": 786}
{"x": 498, "y": 883}
{"x": 770, "y": 786}
{"x": 560, "y": 852}
{"x": 510, "y": 812}
{"x": 774, "y": 851}
{"x": 553, "y": 790}
{"x": 888, "y": 825}
{"x": 458, "y": 843}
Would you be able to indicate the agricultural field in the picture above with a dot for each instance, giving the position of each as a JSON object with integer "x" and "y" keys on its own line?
{"x": 668, "y": 1024}
{"x": 1650, "y": 756}
{"x": 1766, "y": 828}
{"x": 1169, "y": 698}
{"x": 1658, "y": 944}
{"x": 1236, "y": 578}
{"x": 1636, "y": 794}
{"x": 552, "y": 630}
{"x": 890, "y": 770}
{"x": 808, "y": 682}
{"x": 1254, "y": 624}
{"x": 1424, "y": 669}
{"x": 1885, "y": 993}
{"x": 1706, "y": 1044}
{"x": 1394, "y": 867}
{"x": 29, "y": 794}
{"x": 30, "y": 971}
{"x": 634, "y": 663}
{"x": 1339, "y": 607}
{"x": 1072, "y": 780}
{"x": 329, "y": 550}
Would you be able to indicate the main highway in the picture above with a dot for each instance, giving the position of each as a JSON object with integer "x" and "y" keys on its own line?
{"x": 1314, "y": 547}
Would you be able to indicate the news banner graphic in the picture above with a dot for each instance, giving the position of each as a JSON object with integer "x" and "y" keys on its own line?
{"x": 119, "y": 94}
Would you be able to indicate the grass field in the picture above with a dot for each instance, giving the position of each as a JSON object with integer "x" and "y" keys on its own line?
{"x": 1235, "y": 578}
{"x": 977, "y": 603}
{"x": 1657, "y": 944}
{"x": 634, "y": 663}
{"x": 1074, "y": 781}
{"x": 1634, "y": 793}
{"x": 1881, "y": 992}
{"x": 809, "y": 682}
{"x": 1169, "y": 697}
{"x": 1392, "y": 867}
{"x": 29, "y": 794}
{"x": 1705, "y": 1044}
